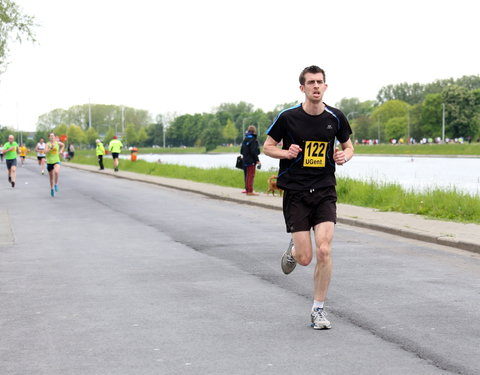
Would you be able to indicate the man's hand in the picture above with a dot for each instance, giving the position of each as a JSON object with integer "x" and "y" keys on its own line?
{"x": 339, "y": 157}
{"x": 293, "y": 151}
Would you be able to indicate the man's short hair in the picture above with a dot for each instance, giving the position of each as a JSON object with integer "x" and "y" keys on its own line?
{"x": 311, "y": 69}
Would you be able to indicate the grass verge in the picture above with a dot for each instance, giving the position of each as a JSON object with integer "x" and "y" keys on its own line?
{"x": 436, "y": 204}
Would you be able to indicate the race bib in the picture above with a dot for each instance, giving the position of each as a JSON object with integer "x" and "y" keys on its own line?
{"x": 315, "y": 152}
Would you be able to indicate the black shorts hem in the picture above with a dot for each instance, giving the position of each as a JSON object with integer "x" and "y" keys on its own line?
{"x": 303, "y": 210}
{"x": 51, "y": 166}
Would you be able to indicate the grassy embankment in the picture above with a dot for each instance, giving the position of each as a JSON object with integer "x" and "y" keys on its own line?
{"x": 437, "y": 204}
{"x": 384, "y": 149}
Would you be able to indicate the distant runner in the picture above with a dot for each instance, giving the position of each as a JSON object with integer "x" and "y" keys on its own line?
{"x": 10, "y": 151}
{"x": 52, "y": 151}
{"x": 23, "y": 151}
{"x": 40, "y": 149}
{"x": 100, "y": 151}
{"x": 115, "y": 147}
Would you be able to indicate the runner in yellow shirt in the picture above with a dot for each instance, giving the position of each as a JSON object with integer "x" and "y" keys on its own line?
{"x": 53, "y": 150}
{"x": 23, "y": 150}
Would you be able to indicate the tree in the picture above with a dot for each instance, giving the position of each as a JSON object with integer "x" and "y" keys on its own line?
{"x": 386, "y": 111}
{"x": 142, "y": 136}
{"x": 108, "y": 135}
{"x": 91, "y": 135}
{"x": 459, "y": 111}
{"x": 155, "y": 134}
{"x": 131, "y": 135}
{"x": 396, "y": 127}
{"x": 13, "y": 25}
{"x": 409, "y": 93}
{"x": 431, "y": 116}
{"x": 75, "y": 135}
{"x": 211, "y": 135}
{"x": 230, "y": 132}
{"x": 60, "y": 130}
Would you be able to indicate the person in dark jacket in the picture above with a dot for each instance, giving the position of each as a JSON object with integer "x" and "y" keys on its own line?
{"x": 250, "y": 151}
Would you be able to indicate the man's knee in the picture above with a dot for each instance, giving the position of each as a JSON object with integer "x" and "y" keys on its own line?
{"x": 303, "y": 259}
{"x": 323, "y": 251}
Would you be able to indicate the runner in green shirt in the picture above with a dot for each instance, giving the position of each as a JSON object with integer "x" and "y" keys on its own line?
{"x": 10, "y": 151}
{"x": 53, "y": 150}
{"x": 115, "y": 147}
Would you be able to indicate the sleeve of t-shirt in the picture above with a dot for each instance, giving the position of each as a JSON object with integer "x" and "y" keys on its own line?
{"x": 345, "y": 130}
{"x": 277, "y": 129}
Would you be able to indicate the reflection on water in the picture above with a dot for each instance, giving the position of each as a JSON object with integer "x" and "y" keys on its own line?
{"x": 417, "y": 173}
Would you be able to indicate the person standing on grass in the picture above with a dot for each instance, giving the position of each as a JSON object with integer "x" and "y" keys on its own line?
{"x": 250, "y": 151}
{"x": 40, "y": 149}
{"x": 53, "y": 150}
{"x": 100, "y": 151}
{"x": 115, "y": 147}
{"x": 307, "y": 175}
{"x": 10, "y": 151}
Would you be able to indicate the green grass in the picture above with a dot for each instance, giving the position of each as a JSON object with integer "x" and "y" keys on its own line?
{"x": 428, "y": 149}
{"x": 472, "y": 149}
{"x": 436, "y": 204}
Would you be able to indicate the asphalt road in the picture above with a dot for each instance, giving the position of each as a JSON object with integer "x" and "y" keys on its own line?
{"x": 120, "y": 277}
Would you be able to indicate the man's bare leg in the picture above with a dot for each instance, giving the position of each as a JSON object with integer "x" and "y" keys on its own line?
{"x": 323, "y": 249}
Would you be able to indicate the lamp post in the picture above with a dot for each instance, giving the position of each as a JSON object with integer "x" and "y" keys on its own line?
{"x": 350, "y": 113}
{"x": 443, "y": 122}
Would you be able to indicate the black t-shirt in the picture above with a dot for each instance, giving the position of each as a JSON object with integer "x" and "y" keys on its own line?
{"x": 314, "y": 166}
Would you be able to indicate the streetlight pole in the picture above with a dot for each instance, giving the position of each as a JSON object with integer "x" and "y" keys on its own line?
{"x": 164, "y": 123}
{"x": 443, "y": 122}
{"x": 89, "y": 114}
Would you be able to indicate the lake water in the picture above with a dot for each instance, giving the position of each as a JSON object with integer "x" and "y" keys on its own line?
{"x": 417, "y": 173}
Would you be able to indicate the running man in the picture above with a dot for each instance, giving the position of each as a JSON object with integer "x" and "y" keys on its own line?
{"x": 100, "y": 151}
{"x": 40, "y": 150}
{"x": 307, "y": 174}
{"x": 115, "y": 147}
{"x": 53, "y": 150}
{"x": 23, "y": 150}
{"x": 10, "y": 151}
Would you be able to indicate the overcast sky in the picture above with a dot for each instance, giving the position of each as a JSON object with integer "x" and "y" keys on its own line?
{"x": 189, "y": 56}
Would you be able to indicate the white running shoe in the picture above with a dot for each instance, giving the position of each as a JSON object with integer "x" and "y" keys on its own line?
{"x": 288, "y": 261}
{"x": 319, "y": 319}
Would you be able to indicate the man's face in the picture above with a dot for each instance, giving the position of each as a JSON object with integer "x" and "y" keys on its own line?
{"x": 10, "y": 138}
{"x": 314, "y": 87}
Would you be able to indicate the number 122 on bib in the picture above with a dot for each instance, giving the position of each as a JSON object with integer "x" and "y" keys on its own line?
{"x": 315, "y": 152}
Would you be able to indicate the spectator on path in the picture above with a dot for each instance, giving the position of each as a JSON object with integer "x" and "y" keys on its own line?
{"x": 250, "y": 151}
{"x": 100, "y": 151}
{"x": 71, "y": 151}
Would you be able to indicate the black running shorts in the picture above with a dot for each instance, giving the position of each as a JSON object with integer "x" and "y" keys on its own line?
{"x": 11, "y": 163}
{"x": 51, "y": 166}
{"x": 305, "y": 209}
{"x": 115, "y": 155}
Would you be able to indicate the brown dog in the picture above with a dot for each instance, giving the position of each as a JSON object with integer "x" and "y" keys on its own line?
{"x": 272, "y": 186}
